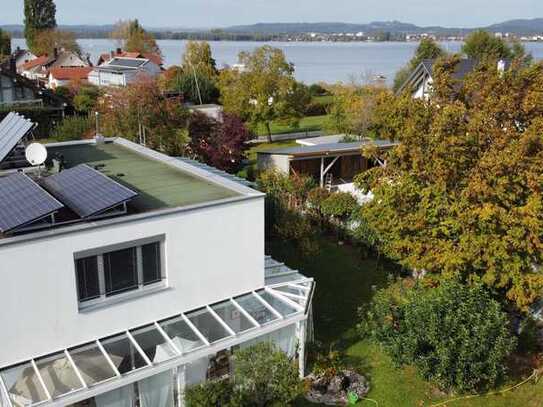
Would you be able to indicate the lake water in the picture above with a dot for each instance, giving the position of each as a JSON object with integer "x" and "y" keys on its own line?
{"x": 314, "y": 62}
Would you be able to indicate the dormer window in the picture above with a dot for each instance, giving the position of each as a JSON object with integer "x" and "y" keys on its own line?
{"x": 111, "y": 273}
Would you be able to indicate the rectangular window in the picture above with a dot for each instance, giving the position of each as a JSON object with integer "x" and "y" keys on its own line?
{"x": 102, "y": 275}
{"x": 121, "y": 271}
{"x": 87, "y": 278}
{"x": 151, "y": 263}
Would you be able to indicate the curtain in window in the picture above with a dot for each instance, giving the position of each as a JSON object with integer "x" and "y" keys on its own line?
{"x": 157, "y": 390}
{"x": 284, "y": 338}
{"x": 123, "y": 397}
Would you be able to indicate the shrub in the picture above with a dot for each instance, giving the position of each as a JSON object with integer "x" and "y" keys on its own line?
{"x": 214, "y": 393}
{"x": 340, "y": 205}
{"x": 73, "y": 128}
{"x": 266, "y": 376}
{"x": 86, "y": 99}
{"x": 456, "y": 336}
{"x": 317, "y": 90}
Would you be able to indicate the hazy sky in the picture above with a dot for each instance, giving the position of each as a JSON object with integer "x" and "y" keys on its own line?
{"x": 216, "y": 13}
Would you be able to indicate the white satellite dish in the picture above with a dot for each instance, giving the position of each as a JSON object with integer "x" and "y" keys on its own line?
{"x": 36, "y": 153}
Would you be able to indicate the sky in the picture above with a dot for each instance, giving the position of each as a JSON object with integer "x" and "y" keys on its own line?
{"x": 221, "y": 13}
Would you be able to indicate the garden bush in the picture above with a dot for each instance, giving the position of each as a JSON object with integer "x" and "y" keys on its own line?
{"x": 266, "y": 376}
{"x": 457, "y": 336}
{"x": 214, "y": 393}
{"x": 73, "y": 128}
{"x": 340, "y": 205}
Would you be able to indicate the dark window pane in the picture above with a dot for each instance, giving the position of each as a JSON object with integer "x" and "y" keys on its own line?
{"x": 151, "y": 263}
{"x": 87, "y": 278}
{"x": 120, "y": 271}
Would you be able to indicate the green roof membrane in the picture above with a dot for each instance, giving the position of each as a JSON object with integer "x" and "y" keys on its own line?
{"x": 159, "y": 185}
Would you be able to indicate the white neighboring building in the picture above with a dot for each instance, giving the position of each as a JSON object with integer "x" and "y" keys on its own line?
{"x": 109, "y": 297}
{"x": 122, "y": 71}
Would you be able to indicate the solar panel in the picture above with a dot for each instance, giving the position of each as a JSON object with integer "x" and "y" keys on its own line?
{"x": 12, "y": 129}
{"x": 87, "y": 191}
{"x": 130, "y": 63}
{"x": 22, "y": 201}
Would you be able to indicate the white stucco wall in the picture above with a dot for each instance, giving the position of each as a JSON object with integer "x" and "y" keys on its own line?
{"x": 211, "y": 254}
{"x": 276, "y": 162}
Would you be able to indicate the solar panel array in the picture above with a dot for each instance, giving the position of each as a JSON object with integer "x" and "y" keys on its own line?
{"x": 22, "y": 201}
{"x": 87, "y": 191}
{"x": 12, "y": 129}
{"x": 129, "y": 63}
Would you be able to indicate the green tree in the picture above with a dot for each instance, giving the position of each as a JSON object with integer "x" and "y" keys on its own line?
{"x": 261, "y": 92}
{"x": 40, "y": 15}
{"x": 456, "y": 336}
{"x": 481, "y": 45}
{"x": 461, "y": 194}
{"x": 5, "y": 44}
{"x": 133, "y": 38}
{"x": 427, "y": 49}
{"x": 266, "y": 376}
{"x": 198, "y": 59}
{"x": 86, "y": 99}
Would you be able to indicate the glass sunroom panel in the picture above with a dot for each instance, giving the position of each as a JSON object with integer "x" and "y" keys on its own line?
{"x": 23, "y": 385}
{"x": 181, "y": 334}
{"x": 153, "y": 344}
{"x": 58, "y": 375}
{"x": 282, "y": 307}
{"x": 232, "y": 317}
{"x": 92, "y": 364}
{"x": 208, "y": 325}
{"x": 256, "y": 309}
{"x": 292, "y": 290}
{"x": 123, "y": 353}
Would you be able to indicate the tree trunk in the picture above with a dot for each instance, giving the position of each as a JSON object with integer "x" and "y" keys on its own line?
{"x": 268, "y": 128}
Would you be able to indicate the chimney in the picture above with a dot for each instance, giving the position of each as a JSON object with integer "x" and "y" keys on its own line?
{"x": 119, "y": 51}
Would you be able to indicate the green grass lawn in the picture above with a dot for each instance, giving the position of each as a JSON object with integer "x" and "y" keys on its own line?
{"x": 346, "y": 279}
{"x": 309, "y": 123}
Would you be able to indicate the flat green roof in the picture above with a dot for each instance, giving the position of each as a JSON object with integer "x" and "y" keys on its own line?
{"x": 159, "y": 185}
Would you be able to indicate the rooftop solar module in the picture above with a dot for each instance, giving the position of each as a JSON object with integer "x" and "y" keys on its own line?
{"x": 12, "y": 129}
{"x": 22, "y": 201}
{"x": 87, "y": 191}
{"x": 127, "y": 62}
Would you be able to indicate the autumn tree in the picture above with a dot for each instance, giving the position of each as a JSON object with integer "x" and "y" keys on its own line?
{"x": 427, "y": 49}
{"x": 195, "y": 86}
{"x": 199, "y": 59}
{"x": 462, "y": 193}
{"x": 260, "y": 92}
{"x": 132, "y": 37}
{"x": 5, "y": 44}
{"x": 40, "y": 15}
{"x": 46, "y": 41}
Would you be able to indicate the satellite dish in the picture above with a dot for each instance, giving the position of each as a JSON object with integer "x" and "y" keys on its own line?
{"x": 36, "y": 154}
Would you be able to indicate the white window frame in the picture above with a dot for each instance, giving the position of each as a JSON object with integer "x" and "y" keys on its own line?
{"x": 141, "y": 289}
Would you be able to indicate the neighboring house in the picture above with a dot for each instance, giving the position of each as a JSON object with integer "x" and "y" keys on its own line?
{"x": 419, "y": 82}
{"x": 22, "y": 56}
{"x": 329, "y": 161}
{"x": 155, "y": 58}
{"x": 38, "y": 69}
{"x": 130, "y": 275}
{"x": 16, "y": 89}
{"x": 122, "y": 71}
{"x": 63, "y": 76}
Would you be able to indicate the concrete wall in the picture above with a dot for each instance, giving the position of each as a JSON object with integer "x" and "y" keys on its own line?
{"x": 276, "y": 162}
{"x": 212, "y": 253}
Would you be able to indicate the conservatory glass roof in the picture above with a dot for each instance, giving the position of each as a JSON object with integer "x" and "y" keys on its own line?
{"x": 52, "y": 378}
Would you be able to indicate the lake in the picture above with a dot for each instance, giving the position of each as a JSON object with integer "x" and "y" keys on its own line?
{"x": 314, "y": 61}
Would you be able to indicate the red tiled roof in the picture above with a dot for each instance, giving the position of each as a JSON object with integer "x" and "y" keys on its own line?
{"x": 35, "y": 62}
{"x": 70, "y": 73}
{"x": 155, "y": 58}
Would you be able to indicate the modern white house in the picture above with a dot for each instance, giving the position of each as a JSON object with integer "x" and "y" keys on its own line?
{"x": 122, "y": 71}
{"x": 129, "y": 275}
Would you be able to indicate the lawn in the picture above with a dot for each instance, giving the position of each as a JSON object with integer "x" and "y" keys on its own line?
{"x": 346, "y": 279}
{"x": 309, "y": 123}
